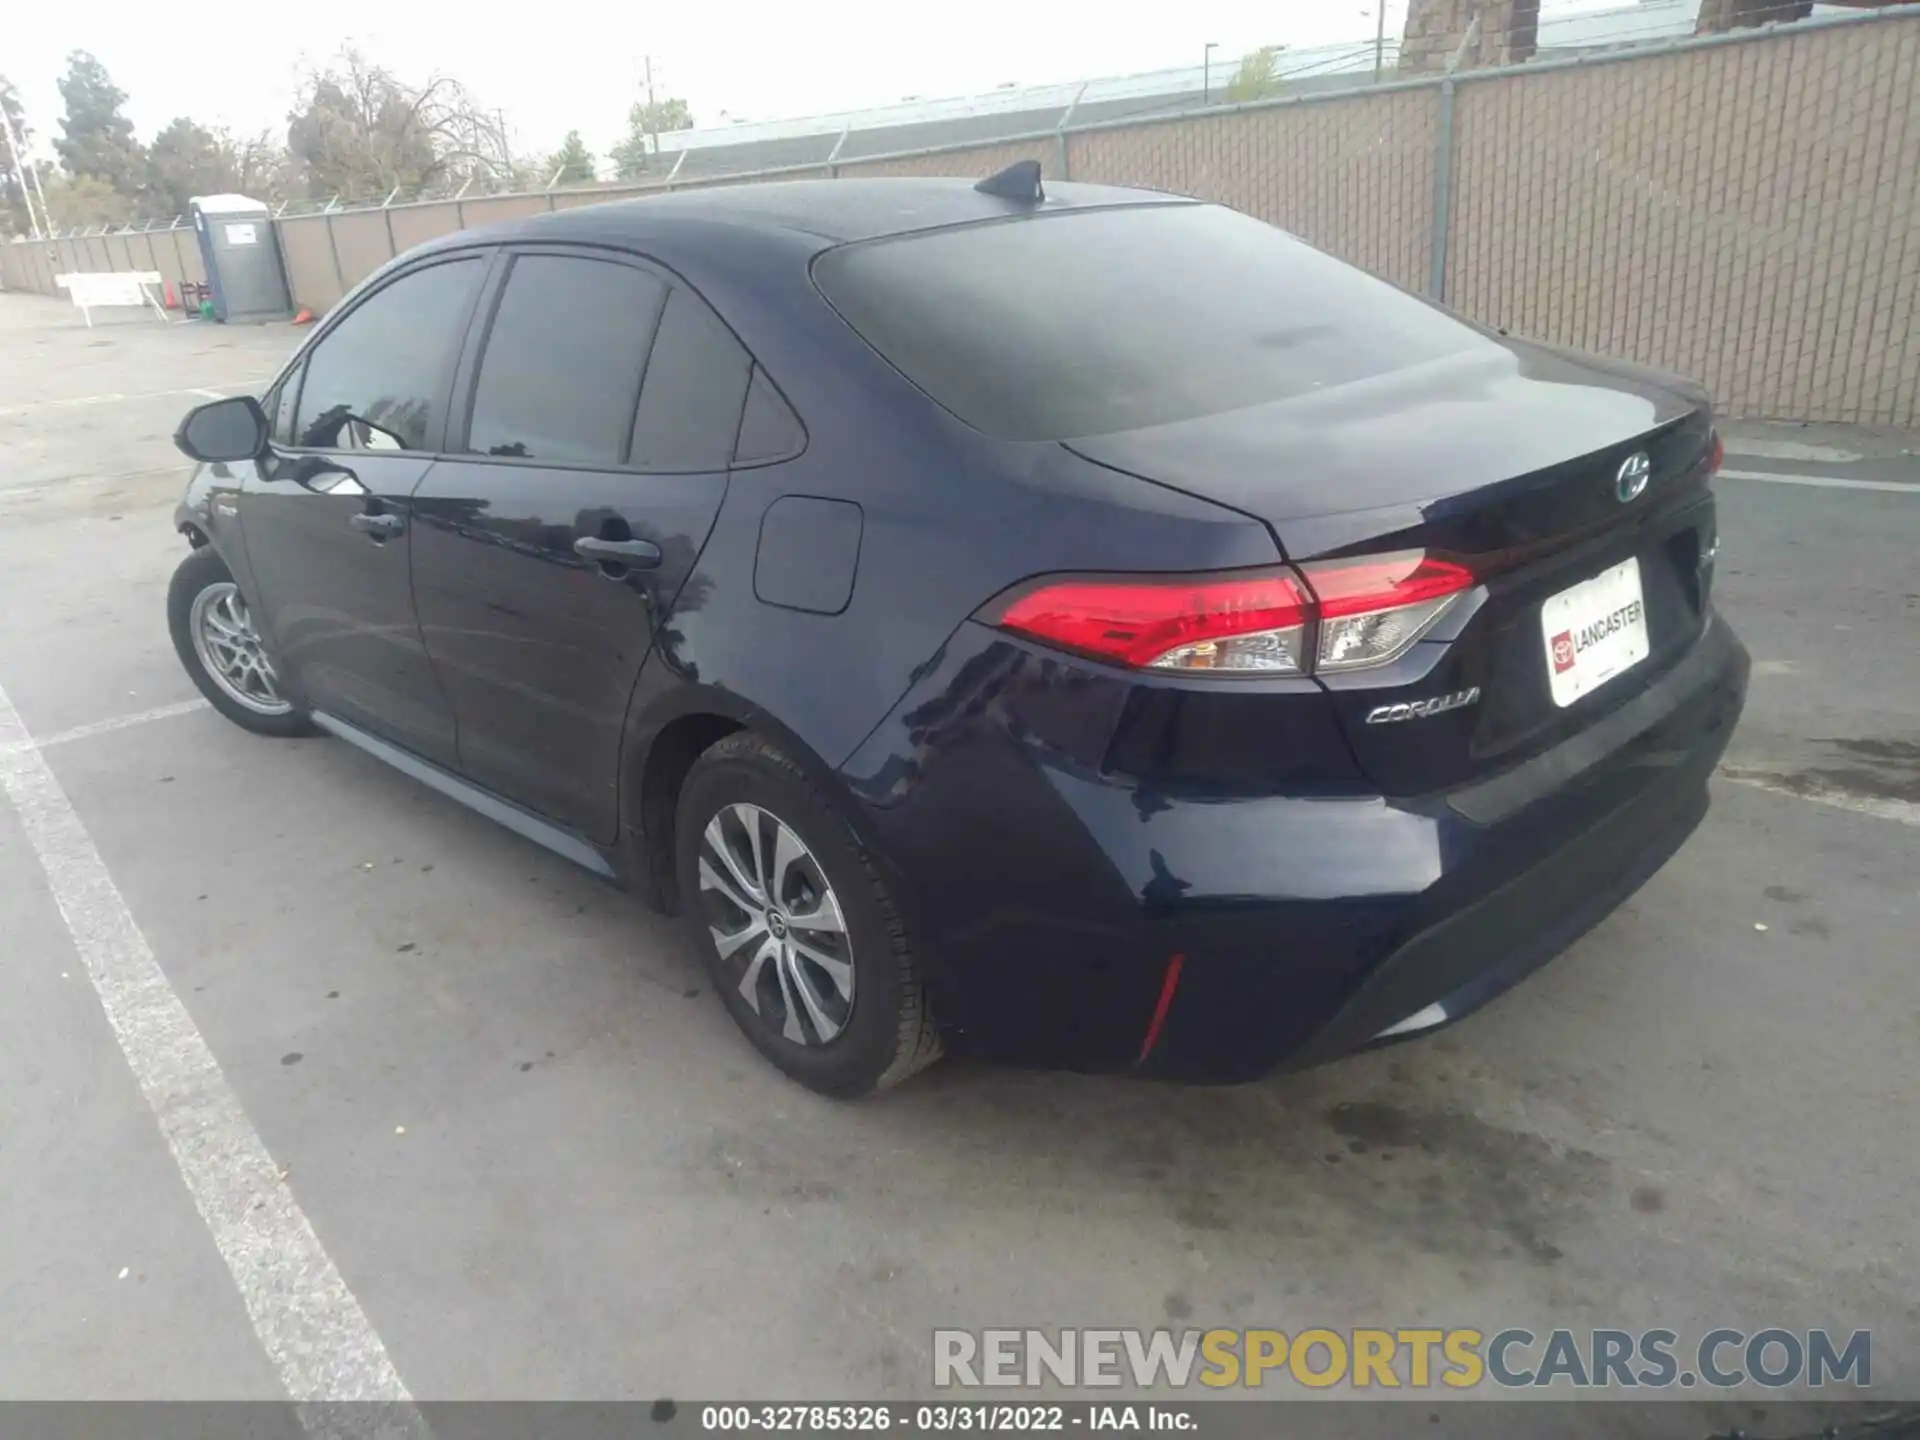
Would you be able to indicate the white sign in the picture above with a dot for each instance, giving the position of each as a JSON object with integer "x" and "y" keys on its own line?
{"x": 1594, "y": 631}
{"x": 241, "y": 235}
{"x": 119, "y": 287}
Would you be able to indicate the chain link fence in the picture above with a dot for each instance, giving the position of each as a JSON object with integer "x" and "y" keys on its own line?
{"x": 1744, "y": 208}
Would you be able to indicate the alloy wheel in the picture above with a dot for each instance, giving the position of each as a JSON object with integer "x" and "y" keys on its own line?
{"x": 776, "y": 922}
{"x": 229, "y": 650}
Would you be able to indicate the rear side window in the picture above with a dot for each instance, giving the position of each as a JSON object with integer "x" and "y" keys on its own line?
{"x": 1090, "y": 322}
{"x": 769, "y": 430}
{"x": 696, "y": 387}
{"x": 386, "y": 364}
{"x": 561, "y": 372}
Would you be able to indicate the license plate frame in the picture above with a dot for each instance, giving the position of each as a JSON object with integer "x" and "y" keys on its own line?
{"x": 1594, "y": 631}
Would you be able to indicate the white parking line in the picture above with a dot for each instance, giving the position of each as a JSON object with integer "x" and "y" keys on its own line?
{"x": 1821, "y": 482}
{"x": 1900, "y": 812}
{"x": 113, "y": 397}
{"x": 118, "y": 722}
{"x": 1761, "y": 449}
{"x": 308, "y": 1322}
{"x": 179, "y": 467}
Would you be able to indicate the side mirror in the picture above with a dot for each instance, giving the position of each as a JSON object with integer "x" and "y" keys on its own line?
{"x": 232, "y": 429}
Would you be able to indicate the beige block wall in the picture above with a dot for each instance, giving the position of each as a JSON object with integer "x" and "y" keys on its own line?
{"x": 501, "y": 207}
{"x": 573, "y": 199}
{"x": 1352, "y": 175}
{"x": 22, "y": 264}
{"x": 977, "y": 162}
{"x": 32, "y": 265}
{"x": 416, "y": 224}
{"x": 119, "y": 255}
{"x": 312, "y": 275}
{"x": 599, "y": 195}
{"x": 1745, "y": 213}
{"x": 720, "y": 182}
{"x": 1748, "y": 213}
{"x": 187, "y": 253}
{"x": 360, "y": 237}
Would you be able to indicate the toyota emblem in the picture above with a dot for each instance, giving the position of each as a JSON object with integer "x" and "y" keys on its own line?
{"x": 1632, "y": 476}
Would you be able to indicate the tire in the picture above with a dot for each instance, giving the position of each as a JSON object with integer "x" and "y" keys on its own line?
{"x": 883, "y": 1029}
{"x": 201, "y": 583}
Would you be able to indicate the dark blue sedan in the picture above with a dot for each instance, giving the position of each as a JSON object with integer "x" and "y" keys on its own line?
{"x": 1083, "y": 628}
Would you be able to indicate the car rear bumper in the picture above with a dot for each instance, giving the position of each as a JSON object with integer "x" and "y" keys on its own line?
{"x": 1442, "y": 970}
{"x": 1306, "y": 926}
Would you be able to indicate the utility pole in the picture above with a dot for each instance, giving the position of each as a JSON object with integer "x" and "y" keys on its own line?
{"x": 1379, "y": 39}
{"x": 28, "y": 181}
{"x": 1206, "y": 72}
{"x": 653, "y": 137}
{"x": 46, "y": 213}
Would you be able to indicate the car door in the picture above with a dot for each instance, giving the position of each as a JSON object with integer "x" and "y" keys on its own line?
{"x": 605, "y": 400}
{"x": 325, "y": 516}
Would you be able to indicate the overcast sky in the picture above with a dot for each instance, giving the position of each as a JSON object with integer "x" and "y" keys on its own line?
{"x": 569, "y": 63}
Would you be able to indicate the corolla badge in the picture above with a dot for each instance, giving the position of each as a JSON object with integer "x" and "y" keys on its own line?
{"x": 1632, "y": 476}
{"x": 1421, "y": 709}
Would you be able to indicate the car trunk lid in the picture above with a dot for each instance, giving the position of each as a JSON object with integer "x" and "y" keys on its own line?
{"x": 1508, "y": 458}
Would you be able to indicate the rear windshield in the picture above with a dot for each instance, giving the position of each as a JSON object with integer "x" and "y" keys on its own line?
{"x": 1087, "y": 322}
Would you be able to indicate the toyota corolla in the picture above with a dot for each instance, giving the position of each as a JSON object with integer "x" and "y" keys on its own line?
{"x": 1075, "y": 626}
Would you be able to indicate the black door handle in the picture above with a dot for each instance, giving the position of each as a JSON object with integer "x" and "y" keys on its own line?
{"x": 380, "y": 527}
{"x": 634, "y": 554}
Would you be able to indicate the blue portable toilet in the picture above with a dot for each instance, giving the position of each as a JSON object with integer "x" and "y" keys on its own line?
{"x": 241, "y": 251}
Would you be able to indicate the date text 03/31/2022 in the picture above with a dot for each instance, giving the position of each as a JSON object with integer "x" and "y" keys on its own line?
{"x": 940, "y": 1418}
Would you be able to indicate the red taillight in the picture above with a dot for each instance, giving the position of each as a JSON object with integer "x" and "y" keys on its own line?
{"x": 1363, "y": 612}
{"x": 1384, "y": 582}
{"x": 1716, "y": 453}
{"x": 1248, "y": 622}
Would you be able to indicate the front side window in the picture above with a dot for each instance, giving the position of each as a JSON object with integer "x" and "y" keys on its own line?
{"x": 561, "y": 373}
{"x": 378, "y": 379}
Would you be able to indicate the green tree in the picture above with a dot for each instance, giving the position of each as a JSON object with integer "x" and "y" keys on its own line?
{"x": 96, "y": 139}
{"x": 186, "y": 160}
{"x": 646, "y": 122}
{"x": 77, "y": 200}
{"x": 573, "y": 161}
{"x": 1256, "y": 78}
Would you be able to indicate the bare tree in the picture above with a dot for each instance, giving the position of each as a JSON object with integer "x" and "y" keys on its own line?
{"x": 360, "y": 132}
{"x": 256, "y": 165}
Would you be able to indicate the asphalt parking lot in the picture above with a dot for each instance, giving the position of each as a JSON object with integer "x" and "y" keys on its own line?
{"x": 544, "y": 1165}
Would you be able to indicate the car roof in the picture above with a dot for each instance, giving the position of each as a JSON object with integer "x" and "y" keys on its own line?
{"x": 832, "y": 211}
